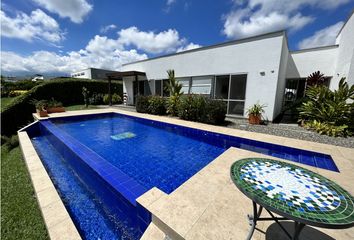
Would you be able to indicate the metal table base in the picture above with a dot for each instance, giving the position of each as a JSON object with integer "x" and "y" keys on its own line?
{"x": 257, "y": 211}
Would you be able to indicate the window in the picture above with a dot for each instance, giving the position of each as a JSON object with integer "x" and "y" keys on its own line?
{"x": 238, "y": 87}
{"x": 201, "y": 85}
{"x": 158, "y": 87}
{"x": 232, "y": 89}
{"x": 165, "y": 91}
{"x": 222, "y": 87}
{"x": 185, "y": 84}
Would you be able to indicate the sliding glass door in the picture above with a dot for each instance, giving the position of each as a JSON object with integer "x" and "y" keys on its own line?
{"x": 232, "y": 89}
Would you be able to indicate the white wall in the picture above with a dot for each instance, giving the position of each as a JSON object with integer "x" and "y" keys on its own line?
{"x": 345, "y": 61}
{"x": 251, "y": 57}
{"x": 87, "y": 74}
{"x": 278, "y": 101}
{"x": 128, "y": 87}
{"x": 304, "y": 62}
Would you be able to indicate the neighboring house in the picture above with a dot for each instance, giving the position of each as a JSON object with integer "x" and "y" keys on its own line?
{"x": 244, "y": 72}
{"x": 37, "y": 77}
{"x": 91, "y": 73}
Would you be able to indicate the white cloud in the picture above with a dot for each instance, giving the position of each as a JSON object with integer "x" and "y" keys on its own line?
{"x": 190, "y": 46}
{"x": 37, "y": 25}
{"x": 100, "y": 52}
{"x": 76, "y": 10}
{"x": 169, "y": 4}
{"x": 254, "y": 17}
{"x": 107, "y": 28}
{"x": 324, "y": 37}
{"x": 151, "y": 42}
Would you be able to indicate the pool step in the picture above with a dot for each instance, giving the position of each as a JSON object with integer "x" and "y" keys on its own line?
{"x": 153, "y": 232}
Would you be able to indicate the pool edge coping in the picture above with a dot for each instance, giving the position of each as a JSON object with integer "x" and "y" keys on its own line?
{"x": 57, "y": 220}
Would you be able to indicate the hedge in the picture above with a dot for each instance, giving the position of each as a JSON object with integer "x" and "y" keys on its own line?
{"x": 190, "y": 107}
{"x": 68, "y": 91}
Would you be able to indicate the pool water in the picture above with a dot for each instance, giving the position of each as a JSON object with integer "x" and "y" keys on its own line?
{"x": 92, "y": 218}
{"x": 152, "y": 156}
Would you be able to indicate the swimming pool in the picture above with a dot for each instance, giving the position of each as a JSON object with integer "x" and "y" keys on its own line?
{"x": 112, "y": 159}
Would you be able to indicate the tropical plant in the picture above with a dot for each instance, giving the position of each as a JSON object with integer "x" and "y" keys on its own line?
{"x": 39, "y": 104}
{"x": 173, "y": 86}
{"x": 327, "y": 128}
{"x": 116, "y": 99}
{"x": 333, "y": 108}
{"x": 315, "y": 79}
{"x": 54, "y": 103}
{"x": 256, "y": 109}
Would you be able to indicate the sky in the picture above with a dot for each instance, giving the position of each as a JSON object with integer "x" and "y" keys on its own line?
{"x": 56, "y": 37}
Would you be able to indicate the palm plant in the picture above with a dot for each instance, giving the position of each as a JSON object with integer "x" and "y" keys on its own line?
{"x": 315, "y": 79}
{"x": 173, "y": 86}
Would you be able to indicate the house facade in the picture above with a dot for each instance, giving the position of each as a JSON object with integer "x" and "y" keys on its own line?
{"x": 244, "y": 72}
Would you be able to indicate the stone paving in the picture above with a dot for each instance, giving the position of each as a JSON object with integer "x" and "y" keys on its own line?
{"x": 209, "y": 206}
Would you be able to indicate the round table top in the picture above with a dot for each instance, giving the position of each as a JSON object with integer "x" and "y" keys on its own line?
{"x": 294, "y": 192}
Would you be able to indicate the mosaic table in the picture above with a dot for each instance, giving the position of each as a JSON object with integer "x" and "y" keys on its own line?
{"x": 294, "y": 193}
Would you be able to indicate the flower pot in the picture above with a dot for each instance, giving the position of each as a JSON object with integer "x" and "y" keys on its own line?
{"x": 254, "y": 119}
{"x": 42, "y": 113}
{"x": 55, "y": 109}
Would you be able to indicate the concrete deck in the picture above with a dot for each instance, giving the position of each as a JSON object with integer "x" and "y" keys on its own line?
{"x": 209, "y": 206}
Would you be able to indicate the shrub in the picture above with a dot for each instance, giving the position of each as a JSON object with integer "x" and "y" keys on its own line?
{"x": 67, "y": 91}
{"x": 96, "y": 99}
{"x": 7, "y": 87}
{"x": 15, "y": 93}
{"x": 215, "y": 111}
{"x": 116, "y": 99}
{"x": 329, "y": 108}
{"x": 192, "y": 108}
{"x": 142, "y": 104}
{"x": 172, "y": 105}
{"x": 157, "y": 105}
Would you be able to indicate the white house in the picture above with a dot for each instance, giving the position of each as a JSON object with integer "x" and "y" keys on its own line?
{"x": 244, "y": 72}
{"x": 91, "y": 73}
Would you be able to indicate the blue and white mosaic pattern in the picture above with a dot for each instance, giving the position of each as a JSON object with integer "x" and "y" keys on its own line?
{"x": 293, "y": 186}
{"x": 294, "y": 192}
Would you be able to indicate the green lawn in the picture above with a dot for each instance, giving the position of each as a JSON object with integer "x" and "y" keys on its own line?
{"x": 6, "y": 101}
{"x": 79, "y": 107}
{"x": 20, "y": 214}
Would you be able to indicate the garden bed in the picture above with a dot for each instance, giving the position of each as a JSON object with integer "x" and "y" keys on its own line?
{"x": 290, "y": 131}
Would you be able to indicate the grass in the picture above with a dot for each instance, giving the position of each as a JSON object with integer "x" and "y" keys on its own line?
{"x": 6, "y": 101}
{"x": 20, "y": 214}
{"x": 79, "y": 107}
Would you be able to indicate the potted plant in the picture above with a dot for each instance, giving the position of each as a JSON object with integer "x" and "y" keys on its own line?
{"x": 255, "y": 113}
{"x": 41, "y": 107}
{"x": 55, "y": 106}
